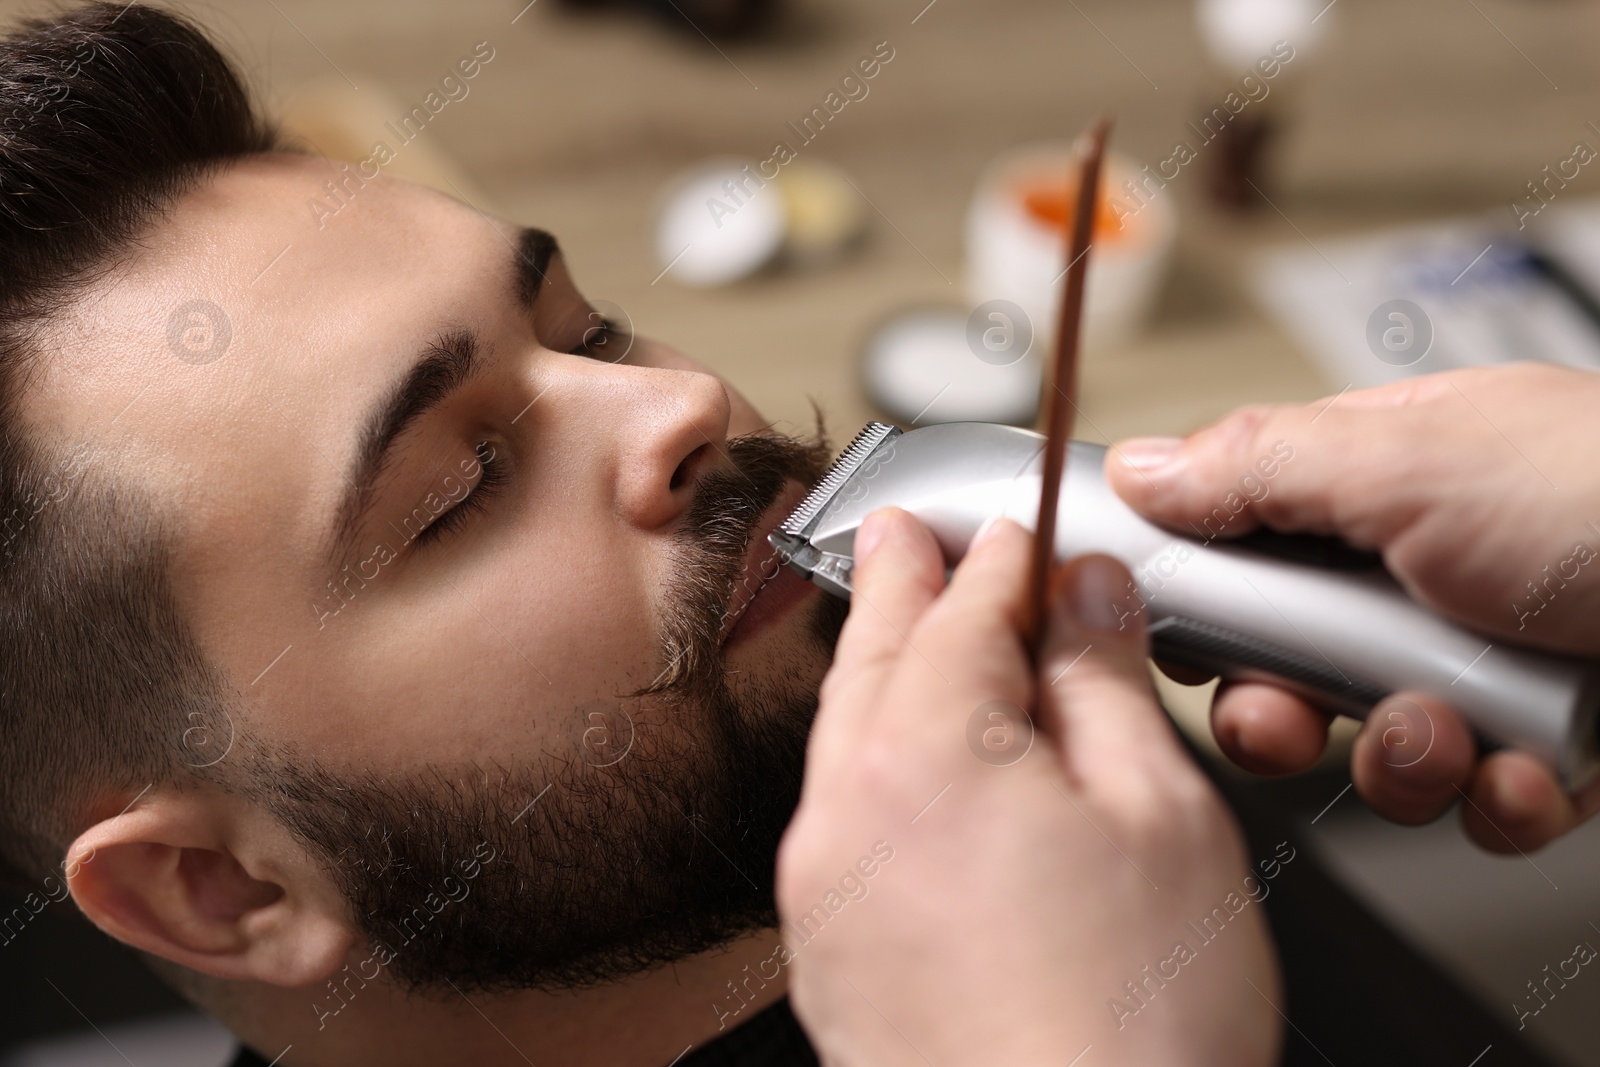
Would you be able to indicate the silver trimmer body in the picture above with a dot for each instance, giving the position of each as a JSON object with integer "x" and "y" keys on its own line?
{"x": 1308, "y": 614}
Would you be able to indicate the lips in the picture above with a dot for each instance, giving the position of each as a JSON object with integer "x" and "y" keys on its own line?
{"x": 765, "y": 589}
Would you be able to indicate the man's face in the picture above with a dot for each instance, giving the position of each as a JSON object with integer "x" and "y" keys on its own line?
{"x": 438, "y": 538}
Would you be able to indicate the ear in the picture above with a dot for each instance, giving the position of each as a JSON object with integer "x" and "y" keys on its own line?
{"x": 212, "y": 883}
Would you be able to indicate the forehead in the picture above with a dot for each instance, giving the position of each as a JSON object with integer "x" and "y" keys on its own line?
{"x": 243, "y": 282}
{"x": 226, "y": 364}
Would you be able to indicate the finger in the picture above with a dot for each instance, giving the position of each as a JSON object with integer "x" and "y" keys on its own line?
{"x": 1320, "y": 468}
{"x": 968, "y": 645}
{"x": 899, "y": 570}
{"x": 1412, "y": 757}
{"x": 1267, "y": 730}
{"x": 1516, "y": 804}
{"x": 1096, "y": 697}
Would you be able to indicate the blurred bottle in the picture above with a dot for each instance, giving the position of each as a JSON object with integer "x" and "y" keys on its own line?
{"x": 1246, "y": 107}
{"x": 718, "y": 19}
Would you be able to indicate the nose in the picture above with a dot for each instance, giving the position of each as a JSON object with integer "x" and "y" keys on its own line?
{"x": 670, "y": 424}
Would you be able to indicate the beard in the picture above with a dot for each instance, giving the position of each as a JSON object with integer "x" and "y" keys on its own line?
{"x": 655, "y": 842}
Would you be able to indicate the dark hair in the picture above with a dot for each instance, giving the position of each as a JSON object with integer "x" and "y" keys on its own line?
{"x": 108, "y": 113}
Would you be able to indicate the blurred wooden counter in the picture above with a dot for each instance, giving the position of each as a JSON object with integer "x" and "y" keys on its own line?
{"x": 1412, "y": 110}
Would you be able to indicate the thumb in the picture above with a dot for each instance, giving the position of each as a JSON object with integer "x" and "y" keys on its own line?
{"x": 1096, "y": 697}
{"x": 1292, "y": 467}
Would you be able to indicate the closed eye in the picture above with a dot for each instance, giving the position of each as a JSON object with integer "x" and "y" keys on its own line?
{"x": 602, "y": 339}
{"x": 490, "y": 481}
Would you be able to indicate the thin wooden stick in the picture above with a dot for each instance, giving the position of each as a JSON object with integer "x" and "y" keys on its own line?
{"x": 1061, "y": 396}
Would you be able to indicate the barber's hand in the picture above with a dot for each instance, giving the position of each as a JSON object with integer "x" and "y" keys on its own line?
{"x": 949, "y": 899}
{"x": 1481, "y": 490}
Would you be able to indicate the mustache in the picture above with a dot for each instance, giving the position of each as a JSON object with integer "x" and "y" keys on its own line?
{"x": 709, "y": 554}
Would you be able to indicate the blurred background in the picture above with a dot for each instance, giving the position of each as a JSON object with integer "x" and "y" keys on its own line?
{"x": 1420, "y": 156}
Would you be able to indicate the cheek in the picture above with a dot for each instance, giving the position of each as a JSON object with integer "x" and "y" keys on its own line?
{"x": 580, "y": 612}
{"x": 586, "y": 616}
{"x": 496, "y": 664}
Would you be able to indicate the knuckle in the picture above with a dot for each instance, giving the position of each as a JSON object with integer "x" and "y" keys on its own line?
{"x": 1243, "y": 428}
{"x": 1170, "y": 810}
{"x": 1191, "y": 793}
{"x": 1114, "y": 674}
{"x": 883, "y": 771}
{"x": 797, "y": 857}
{"x": 1136, "y": 803}
{"x": 972, "y": 622}
{"x": 835, "y": 684}
{"x": 880, "y": 763}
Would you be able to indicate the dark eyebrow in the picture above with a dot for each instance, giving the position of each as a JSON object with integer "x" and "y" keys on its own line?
{"x": 535, "y": 250}
{"x": 445, "y": 366}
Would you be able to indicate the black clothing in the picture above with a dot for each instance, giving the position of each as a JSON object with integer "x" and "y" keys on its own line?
{"x": 771, "y": 1039}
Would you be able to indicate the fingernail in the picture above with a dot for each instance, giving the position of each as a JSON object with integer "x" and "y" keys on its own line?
{"x": 1512, "y": 802}
{"x": 1095, "y": 591}
{"x": 985, "y": 531}
{"x": 1148, "y": 454}
{"x": 871, "y": 534}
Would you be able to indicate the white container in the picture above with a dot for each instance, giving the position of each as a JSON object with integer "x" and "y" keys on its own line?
{"x": 716, "y": 223}
{"x": 1015, "y": 252}
{"x": 1239, "y": 33}
{"x": 929, "y": 364}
